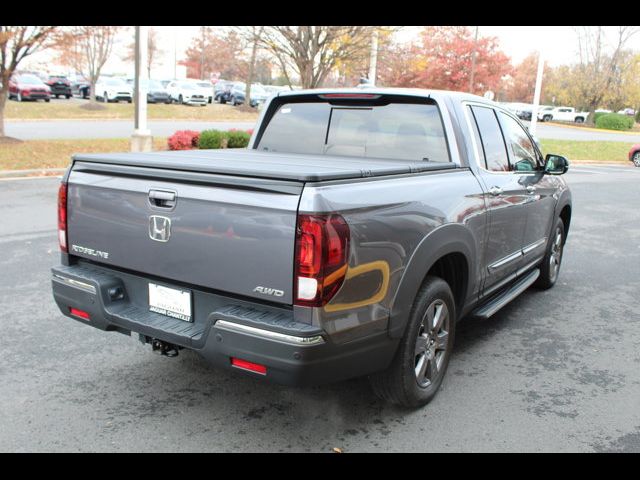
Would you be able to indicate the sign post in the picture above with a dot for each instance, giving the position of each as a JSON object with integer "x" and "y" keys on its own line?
{"x": 141, "y": 140}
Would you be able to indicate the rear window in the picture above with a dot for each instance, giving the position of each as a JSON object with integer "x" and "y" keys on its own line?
{"x": 402, "y": 131}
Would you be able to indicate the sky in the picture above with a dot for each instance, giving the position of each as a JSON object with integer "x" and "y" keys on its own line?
{"x": 558, "y": 45}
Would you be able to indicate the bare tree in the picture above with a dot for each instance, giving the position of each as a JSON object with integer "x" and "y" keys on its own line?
{"x": 16, "y": 43}
{"x": 314, "y": 51}
{"x": 599, "y": 64}
{"x": 153, "y": 51}
{"x": 91, "y": 46}
{"x": 253, "y": 37}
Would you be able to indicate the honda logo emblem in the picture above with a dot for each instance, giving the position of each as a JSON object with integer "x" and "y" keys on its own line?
{"x": 159, "y": 228}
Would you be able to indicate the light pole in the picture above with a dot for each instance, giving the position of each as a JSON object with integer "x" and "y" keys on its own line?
{"x": 536, "y": 95}
{"x": 141, "y": 140}
{"x": 373, "y": 58}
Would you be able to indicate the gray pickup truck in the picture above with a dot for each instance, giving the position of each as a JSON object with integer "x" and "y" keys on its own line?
{"x": 348, "y": 239}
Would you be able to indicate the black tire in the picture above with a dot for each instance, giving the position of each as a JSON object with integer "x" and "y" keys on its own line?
{"x": 222, "y": 101}
{"x": 636, "y": 159}
{"x": 552, "y": 261}
{"x": 547, "y": 118}
{"x": 579, "y": 120}
{"x": 180, "y": 100}
{"x": 67, "y": 97}
{"x": 56, "y": 96}
{"x": 401, "y": 383}
{"x": 47, "y": 100}
{"x": 129, "y": 100}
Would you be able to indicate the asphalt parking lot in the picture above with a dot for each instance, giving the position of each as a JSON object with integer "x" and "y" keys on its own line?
{"x": 553, "y": 371}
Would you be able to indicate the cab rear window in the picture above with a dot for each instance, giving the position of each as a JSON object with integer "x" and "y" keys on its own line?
{"x": 402, "y": 131}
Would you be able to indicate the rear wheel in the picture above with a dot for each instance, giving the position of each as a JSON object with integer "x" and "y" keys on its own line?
{"x": 550, "y": 267}
{"x": 417, "y": 370}
{"x": 636, "y": 159}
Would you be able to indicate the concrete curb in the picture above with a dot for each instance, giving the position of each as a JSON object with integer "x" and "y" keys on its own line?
{"x": 37, "y": 172}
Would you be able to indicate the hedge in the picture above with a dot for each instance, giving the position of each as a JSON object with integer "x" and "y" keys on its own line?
{"x": 211, "y": 139}
{"x": 237, "y": 139}
{"x": 183, "y": 140}
{"x": 615, "y": 121}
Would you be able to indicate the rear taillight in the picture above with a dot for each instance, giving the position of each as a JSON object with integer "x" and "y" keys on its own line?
{"x": 62, "y": 216}
{"x": 322, "y": 251}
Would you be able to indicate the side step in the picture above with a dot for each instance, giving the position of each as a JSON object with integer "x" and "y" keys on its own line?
{"x": 488, "y": 309}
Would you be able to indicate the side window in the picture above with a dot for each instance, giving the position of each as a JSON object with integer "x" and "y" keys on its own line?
{"x": 521, "y": 149}
{"x": 495, "y": 152}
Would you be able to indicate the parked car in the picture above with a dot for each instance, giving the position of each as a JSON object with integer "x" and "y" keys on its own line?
{"x": 258, "y": 94}
{"x": 80, "y": 86}
{"x": 634, "y": 154}
{"x": 565, "y": 114}
{"x": 59, "y": 85}
{"x": 28, "y": 86}
{"x": 222, "y": 91}
{"x": 627, "y": 111}
{"x": 185, "y": 92}
{"x": 347, "y": 239}
{"x": 113, "y": 89}
{"x": 206, "y": 88}
{"x": 157, "y": 93}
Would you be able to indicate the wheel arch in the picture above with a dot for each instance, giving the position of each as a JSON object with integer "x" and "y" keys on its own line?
{"x": 449, "y": 251}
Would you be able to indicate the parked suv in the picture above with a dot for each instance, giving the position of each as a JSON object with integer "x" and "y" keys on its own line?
{"x": 27, "y": 86}
{"x": 59, "y": 85}
{"x": 113, "y": 89}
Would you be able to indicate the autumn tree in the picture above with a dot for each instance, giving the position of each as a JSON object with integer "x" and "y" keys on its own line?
{"x": 447, "y": 55}
{"x": 401, "y": 66}
{"x": 312, "y": 52}
{"x": 87, "y": 49}
{"x": 600, "y": 64}
{"x": 522, "y": 80}
{"x": 153, "y": 50}
{"x": 216, "y": 53}
{"x": 17, "y": 43}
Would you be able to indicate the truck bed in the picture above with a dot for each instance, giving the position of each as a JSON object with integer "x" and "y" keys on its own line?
{"x": 269, "y": 165}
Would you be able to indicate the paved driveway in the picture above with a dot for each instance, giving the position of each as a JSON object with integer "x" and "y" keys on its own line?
{"x": 553, "y": 371}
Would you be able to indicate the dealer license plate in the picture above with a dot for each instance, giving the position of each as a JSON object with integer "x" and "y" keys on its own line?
{"x": 171, "y": 302}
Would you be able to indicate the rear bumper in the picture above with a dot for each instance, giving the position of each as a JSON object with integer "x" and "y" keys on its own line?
{"x": 293, "y": 353}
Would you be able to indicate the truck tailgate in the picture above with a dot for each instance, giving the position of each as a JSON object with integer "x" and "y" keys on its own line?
{"x": 226, "y": 233}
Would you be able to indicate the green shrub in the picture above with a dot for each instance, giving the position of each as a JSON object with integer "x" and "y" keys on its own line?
{"x": 597, "y": 115}
{"x": 615, "y": 121}
{"x": 237, "y": 139}
{"x": 210, "y": 139}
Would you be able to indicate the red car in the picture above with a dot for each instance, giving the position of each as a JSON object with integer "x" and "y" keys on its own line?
{"x": 28, "y": 87}
{"x": 634, "y": 154}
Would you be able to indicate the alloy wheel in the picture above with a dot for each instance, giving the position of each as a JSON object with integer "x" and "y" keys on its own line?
{"x": 556, "y": 255}
{"x": 431, "y": 343}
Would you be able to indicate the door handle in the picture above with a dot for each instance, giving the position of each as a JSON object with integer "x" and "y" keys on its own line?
{"x": 495, "y": 191}
{"x": 531, "y": 189}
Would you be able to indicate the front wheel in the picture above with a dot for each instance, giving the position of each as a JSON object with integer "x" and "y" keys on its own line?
{"x": 417, "y": 370}
{"x": 180, "y": 100}
{"x": 636, "y": 159}
{"x": 547, "y": 118}
{"x": 550, "y": 267}
{"x": 579, "y": 120}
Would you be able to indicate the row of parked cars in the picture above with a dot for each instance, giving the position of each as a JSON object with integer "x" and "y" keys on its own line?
{"x": 547, "y": 113}
{"x": 29, "y": 86}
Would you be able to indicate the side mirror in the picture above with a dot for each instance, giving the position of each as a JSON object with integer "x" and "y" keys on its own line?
{"x": 555, "y": 164}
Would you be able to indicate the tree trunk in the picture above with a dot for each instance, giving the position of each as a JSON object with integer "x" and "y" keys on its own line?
{"x": 92, "y": 91}
{"x": 4, "y": 94}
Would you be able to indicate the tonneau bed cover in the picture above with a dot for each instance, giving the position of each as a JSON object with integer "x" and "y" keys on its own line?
{"x": 271, "y": 165}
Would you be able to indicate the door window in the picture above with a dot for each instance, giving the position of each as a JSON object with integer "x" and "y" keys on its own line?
{"x": 521, "y": 149}
{"x": 493, "y": 146}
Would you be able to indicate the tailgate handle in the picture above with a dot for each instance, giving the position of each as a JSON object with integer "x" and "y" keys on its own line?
{"x": 162, "y": 198}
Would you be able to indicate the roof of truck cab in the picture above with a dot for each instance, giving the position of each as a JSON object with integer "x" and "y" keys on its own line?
{"x": 412, "y": 92}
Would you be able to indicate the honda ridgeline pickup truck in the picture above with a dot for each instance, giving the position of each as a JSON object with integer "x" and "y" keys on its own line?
{"x": 347, "y": 240}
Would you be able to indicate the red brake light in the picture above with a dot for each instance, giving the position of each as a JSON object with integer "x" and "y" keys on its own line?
{"x": 62, "y": 217}
{"x": 322, "y": 250}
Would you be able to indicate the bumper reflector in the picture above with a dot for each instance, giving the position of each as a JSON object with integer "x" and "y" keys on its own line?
{"x": 252, "y": 367}
{"x": 79, "y": 313}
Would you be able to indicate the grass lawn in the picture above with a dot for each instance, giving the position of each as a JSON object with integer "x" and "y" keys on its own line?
{"x": 72, "y": 109}
{"x": 596, "y": 151}
{"x": 33, "y": 154}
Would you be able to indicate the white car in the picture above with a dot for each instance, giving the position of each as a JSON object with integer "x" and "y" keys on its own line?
{"x": 113, "y": 89}
{"x": 187, "y": 93}
{"x": 206, "y": 88}
{"x": 565, "y": 114}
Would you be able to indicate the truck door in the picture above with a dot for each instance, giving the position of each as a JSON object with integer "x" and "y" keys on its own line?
{"x": 540, "y": 188}
{"x": 505, "y": 196}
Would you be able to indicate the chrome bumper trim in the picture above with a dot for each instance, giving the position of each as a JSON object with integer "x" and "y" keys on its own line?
{"x": 75, "y": 283}
{"x": 281, "y": 337}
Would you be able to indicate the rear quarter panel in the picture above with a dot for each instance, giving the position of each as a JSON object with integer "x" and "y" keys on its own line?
{"x": 391, "y": 222}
